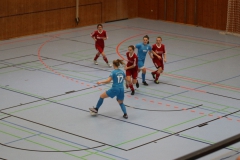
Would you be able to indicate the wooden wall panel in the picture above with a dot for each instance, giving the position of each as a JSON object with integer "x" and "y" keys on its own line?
{"x": 3, "y": 8}
{"x": 109, "y": 10}
{"x": 180, "y": 11}
{"x": 161, "y": 9}
{"x": 148, "y": 9}
{"x": 212, "y": 14}
{"x": 40, "y": 22}
{"x": 190, "y": 19}
{"x": 132, "y": 8}
{"x": 122, "y": 11}
{"x": 94, "y": 18}
{"x": 170, "y": 10}
{"x": 221, "y": 14}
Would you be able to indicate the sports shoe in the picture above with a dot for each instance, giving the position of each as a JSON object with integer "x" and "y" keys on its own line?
{"x": 145, "y": 83}
{"x": 95, "y": 62}
{"x": 109, "y": 65}
{"x": 125, "y": 116}
{"x": 93, "y": 110}
{"x": 137, "y": 84}
{"x": 133, "y": 92}
{"x": 153, "y": 75}
{"x": 156, "y": 81}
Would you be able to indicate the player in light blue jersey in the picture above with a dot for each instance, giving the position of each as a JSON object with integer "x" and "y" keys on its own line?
{"x": 143, "y": 49}
{"x": 118, "y": 76}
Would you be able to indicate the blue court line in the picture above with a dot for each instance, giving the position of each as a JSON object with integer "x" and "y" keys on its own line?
{"x": 188, "y": 105}
{"x": 62, "y": 139}
{"x": 202, "y": 54}
{"x": 41, "y": 70}
{"x": 23, "y": 138}
{"x": 230, "y": 156}
{"x": 184, "y": 35}
{"x": 114, "y": 119}
{"x": 144, "y": 94}
{"x": 218, "y": 81}
{"x": 202, "y": 86}
{"x": 48, "y": 36}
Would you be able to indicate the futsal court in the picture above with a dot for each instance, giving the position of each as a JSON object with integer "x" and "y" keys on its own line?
{"x": 48, "y": 83}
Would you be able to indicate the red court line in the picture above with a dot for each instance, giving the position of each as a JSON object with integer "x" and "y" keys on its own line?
{"x": 175, "y": 76}
{"x": 78, "y": 30}
{"x": 49, "y": 68}
{"x": 182, "y": 36}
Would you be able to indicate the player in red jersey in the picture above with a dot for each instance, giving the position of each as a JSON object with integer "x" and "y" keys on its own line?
{"x": 159, "y": 58}
{"x": 131, "y": 68}
{"x": 99, "y": 36}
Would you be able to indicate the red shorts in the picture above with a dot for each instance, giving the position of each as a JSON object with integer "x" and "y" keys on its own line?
{"x": 158, "y": 63}
{"x": 132, "y": 72}
{"x": 99, "y": 48}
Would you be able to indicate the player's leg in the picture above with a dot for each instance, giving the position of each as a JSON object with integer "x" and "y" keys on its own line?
{"x": 160, "y": 66}
{"x": 96, "y": 57}
{"x": 144, "y": 76}
{"x": 137, "y": 84}
{"x": 155, "y": 72}
{"x": 128, "y": 80}
{"x": 159, "y": 71}
{"x": 120, "y": 98}
{"x": 99, "y": 103}
{"x": 133, "y": 81}
{"x": 105, "y": 58}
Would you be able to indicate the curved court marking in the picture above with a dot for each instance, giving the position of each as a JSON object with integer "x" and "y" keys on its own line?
{"x": 32, "y": 150}
{"x": 117, "y": 50}
{"x": 175, "y": 76}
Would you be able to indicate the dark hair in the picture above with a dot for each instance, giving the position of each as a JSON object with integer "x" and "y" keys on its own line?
{"x": 131, "y": 46}
{"x": 146, "y": 36}
{"x": 159, "y": 37}
{"x": 99, "y": 25}
{"x": 118, "y": 62}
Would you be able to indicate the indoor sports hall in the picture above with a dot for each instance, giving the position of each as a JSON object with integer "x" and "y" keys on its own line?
{"x": 48, "y": 80}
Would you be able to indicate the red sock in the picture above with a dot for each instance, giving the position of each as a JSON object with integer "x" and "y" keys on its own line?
{"x": 131, "y": 87}
{"x": 155, "y": 72}
{"x": 105, "y": 59}
{"x": 157, "y": 76}
{"x": 96, "y": 57}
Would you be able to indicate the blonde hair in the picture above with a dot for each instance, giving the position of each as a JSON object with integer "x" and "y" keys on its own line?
{"x": 117, "y": 62}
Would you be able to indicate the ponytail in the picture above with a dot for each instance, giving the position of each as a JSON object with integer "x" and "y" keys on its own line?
{"x": 118, "y": 62}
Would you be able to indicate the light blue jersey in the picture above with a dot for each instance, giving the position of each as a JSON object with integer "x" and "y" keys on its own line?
{"x": 143, "y": 50}
{"x": 118, "y": 77}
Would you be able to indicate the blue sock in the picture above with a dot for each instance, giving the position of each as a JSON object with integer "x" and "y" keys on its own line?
{"x": 100, "y": 101}
{"x": 143, "y": 77}
{"x": 123, "y": 108}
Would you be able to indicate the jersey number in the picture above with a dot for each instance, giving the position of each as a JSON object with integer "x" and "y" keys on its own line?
{"x": 120, "y": 78}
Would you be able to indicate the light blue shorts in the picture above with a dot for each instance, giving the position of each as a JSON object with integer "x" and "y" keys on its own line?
{"x": 119, "y": 92}
{"x": 141, "y": 64}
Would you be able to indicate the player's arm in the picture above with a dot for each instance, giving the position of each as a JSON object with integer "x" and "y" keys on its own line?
{"x": 151, "y": 52}
{"x": 106, "y": 37}
{"x": 156, "y": 54}
{"x": 93, "y": 36}
{"x": 132, "y": 66}
{"x": 105, "y": 81}
{"x": 165, "y": 57}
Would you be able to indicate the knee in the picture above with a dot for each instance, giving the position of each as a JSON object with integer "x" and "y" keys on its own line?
{"x": 120, "y": 102}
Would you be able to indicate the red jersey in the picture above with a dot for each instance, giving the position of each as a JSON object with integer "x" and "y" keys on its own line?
{"x": 132, "y": 60}
{"x": 158, "y": 50}
{"x": 99, "y": 37}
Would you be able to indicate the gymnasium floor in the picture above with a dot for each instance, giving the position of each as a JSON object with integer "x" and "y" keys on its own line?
{"x": 47, "y": 84}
